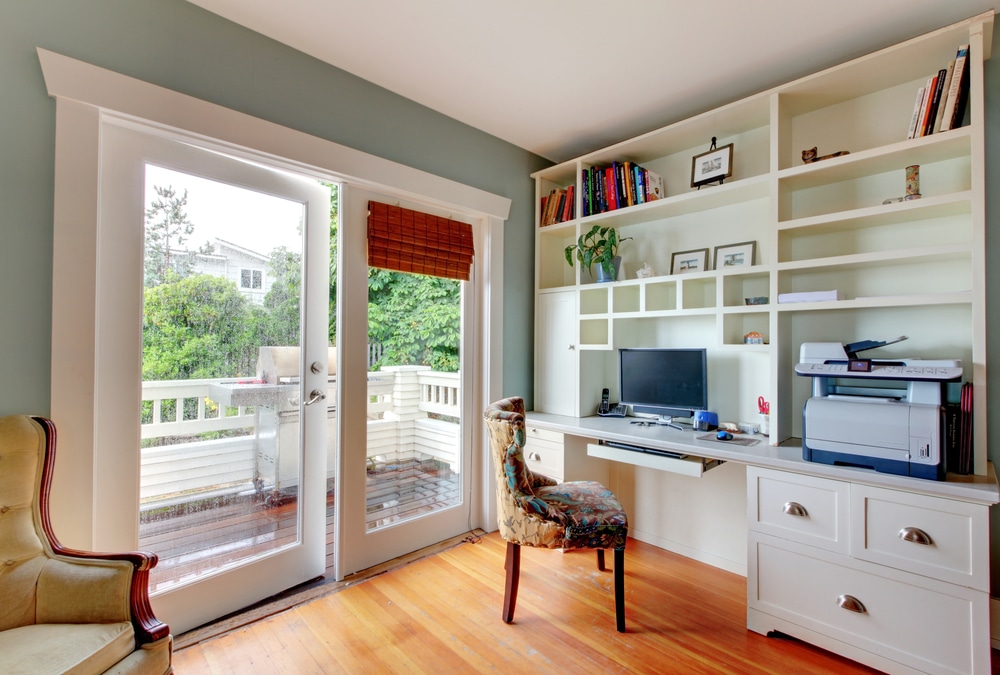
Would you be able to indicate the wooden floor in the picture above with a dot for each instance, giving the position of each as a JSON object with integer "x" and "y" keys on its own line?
{"x": 441, "y": 614}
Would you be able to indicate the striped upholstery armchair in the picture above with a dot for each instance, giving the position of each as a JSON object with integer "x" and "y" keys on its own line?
{"x": 534, "y": 510}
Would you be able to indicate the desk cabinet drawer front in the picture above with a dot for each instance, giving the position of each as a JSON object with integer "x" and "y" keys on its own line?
{"x": 941, "y": 538}
{"x": 535, "y": 434}
{"x": 801, "y": 508}
{"x": 926, "y": 625}
{"x": 545, "y": 456}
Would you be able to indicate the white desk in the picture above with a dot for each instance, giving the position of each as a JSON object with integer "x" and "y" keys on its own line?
{"x": 827, "y": 559}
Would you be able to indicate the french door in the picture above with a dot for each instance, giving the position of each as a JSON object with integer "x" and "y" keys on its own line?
{"x": 407, "y": 428}
{"x": 230, "y": 431}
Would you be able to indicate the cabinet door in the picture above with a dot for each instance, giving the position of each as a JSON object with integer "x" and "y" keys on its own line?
{"x": 556, "y": 360}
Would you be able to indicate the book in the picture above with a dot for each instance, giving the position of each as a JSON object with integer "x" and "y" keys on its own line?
{"x": 928, "y": 95}
{"x": 957, "y": 76}
{"x": 935, "y": 100}
{"x": 655, "y": 187}
{"x": 918, "y": 106}
{"x": 809, "y": 296}
{"x": 944, "y": 95}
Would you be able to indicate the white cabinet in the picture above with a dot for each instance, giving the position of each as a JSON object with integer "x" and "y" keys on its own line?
{"x": 556, "y": 369}
{"x": 891, "y": 578}
{"x": 915, "y": 268}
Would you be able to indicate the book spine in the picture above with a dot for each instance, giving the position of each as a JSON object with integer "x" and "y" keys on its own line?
{"x": 585, "y": 184}
{"x": 935, "y": 100}
{"x": 944, "y": 95}
{"x": 928, "y": 95}
{"x": 956, "y": 84}
{"x": 917, "y": 107}
{"x": 962, "y": 99}
{"x": 639, "y": 175}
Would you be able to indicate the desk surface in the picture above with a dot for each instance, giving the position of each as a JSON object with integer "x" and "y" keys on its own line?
{"x": 786, "y": 457}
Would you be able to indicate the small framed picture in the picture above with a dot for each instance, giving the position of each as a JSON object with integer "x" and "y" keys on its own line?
{"x": 684, "y": 262}
{"x": 735, "y": 255}
{"x": 714, "y": 165}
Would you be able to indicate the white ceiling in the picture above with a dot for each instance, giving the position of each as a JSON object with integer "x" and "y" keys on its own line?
{"x": 563, "y": 77}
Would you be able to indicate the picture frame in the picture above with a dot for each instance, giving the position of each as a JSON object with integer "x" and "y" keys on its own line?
{"x": 732, "y": 256}
{"x": 714, "y": 165}
{"x": 685, "y": 262}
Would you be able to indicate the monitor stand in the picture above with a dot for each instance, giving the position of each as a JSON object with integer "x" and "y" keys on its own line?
{"x": 668, "y": 421}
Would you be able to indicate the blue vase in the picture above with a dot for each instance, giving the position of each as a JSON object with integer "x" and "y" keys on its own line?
{"x": 602, "y": 274}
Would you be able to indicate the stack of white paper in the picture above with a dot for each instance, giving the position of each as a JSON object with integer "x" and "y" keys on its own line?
{"x": 809, "y": 296}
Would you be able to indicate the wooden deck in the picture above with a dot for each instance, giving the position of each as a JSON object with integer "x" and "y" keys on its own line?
{"x": 199, "y": 536}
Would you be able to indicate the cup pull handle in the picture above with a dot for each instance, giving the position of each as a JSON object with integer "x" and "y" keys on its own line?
{"x": 314, "y": 396}
{"x": 916, "y": 535}
{"x": 851, "y": 604}
{"x": 794, "y": 509}
{"x": 534, "y": 457}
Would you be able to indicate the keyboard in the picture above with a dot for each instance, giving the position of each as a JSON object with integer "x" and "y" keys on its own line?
{"x": 618, "y": 410}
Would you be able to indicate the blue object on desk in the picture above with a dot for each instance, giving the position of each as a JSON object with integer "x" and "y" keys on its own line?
{"x": 705, "y": 420}
{"x": 724, "y": 436}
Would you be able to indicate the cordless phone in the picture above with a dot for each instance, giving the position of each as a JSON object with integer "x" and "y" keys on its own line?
{"x": 605, "y": 406}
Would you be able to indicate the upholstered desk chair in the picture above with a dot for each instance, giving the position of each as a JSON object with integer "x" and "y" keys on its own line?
{"x": 534, "y": 510}
{"x": 63, "y": 610}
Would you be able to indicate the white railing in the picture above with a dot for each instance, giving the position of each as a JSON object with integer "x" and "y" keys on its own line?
{"x": 400, "y": 402}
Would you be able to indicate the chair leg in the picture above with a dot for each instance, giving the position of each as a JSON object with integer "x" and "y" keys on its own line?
{"x": 513, "y": 566}
{"x": 600, "y": 559}
{"x": 620, "y": 588}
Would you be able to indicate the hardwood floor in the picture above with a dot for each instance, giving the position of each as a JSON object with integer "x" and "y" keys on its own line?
{"x": 441, "y": 614}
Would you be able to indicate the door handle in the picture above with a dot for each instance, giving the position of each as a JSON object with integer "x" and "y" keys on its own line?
{"x": 314, "y": 396}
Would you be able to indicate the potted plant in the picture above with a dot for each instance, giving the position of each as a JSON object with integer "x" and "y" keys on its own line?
{"x": 599, "y": 245}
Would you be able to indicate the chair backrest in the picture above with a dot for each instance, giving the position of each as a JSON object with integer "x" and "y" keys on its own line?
{"x": 522, "y": 517}
{"x": 23, "y": 552}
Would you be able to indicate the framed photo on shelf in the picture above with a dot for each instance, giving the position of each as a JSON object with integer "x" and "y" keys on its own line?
{"x": 735, "y": 255}
{"x": 714, "y": 165}
{"x": 684, "y": 262}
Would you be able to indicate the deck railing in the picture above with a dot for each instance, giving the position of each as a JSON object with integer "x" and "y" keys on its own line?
{"x": 412, "y": 411}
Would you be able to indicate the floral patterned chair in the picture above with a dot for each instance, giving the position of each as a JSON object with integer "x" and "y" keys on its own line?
{"x": 62, "y": 610}
{"x": 534, "y": 510}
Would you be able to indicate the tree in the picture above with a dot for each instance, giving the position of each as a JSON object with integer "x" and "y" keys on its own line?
{"x": 416, "y": 318}
{"x": 167, "y": 229}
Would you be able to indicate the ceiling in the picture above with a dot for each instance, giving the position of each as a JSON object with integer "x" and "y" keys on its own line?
{"x": 562, "y": 77}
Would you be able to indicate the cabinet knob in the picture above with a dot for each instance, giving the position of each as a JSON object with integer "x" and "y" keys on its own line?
{"x": 572, "y": 347}
{"x": 916, "y": 535}
{"x": 534, "y": 456}
{"x": 795, "y": 509}
{"x": 851, "y": 604}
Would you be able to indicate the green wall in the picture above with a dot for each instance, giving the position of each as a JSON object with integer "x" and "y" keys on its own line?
{"x": 177, "y": 45}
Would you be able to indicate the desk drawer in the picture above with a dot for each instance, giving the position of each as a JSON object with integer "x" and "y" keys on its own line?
{"x": 544, "y": 452}
{"x": 940, "y": 538}
{"x": 919, "y": 622}
{"x": 802, "y": 508}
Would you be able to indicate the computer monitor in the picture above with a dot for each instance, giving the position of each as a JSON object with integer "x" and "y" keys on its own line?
{"x": 666, "y": 383}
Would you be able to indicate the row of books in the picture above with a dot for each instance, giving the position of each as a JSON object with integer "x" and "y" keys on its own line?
{"x": 957, "y": 439}
{"x": 941, "y": 103}
{"x": 559, "y": 206}
{"x": 607, "y": 188}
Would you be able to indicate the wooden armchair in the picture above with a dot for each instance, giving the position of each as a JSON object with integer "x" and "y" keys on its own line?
{"x": 63, "y": 610}
{"x": 534, "y": 510}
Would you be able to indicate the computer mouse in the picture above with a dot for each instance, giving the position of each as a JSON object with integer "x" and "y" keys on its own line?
{"x": 724, "y": 436}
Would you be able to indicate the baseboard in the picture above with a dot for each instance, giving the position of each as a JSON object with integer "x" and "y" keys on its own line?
{"x": 734, "y": 566}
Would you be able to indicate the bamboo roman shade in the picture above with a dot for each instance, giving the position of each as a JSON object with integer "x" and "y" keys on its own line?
{"x": 410, "y": 241}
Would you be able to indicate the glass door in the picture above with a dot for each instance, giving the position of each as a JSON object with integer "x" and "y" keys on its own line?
{"x": 405, "y": 470}
{"x": 237, "y": 379}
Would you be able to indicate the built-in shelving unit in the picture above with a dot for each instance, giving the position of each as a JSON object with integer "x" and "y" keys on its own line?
{"x": 914, "y": 268}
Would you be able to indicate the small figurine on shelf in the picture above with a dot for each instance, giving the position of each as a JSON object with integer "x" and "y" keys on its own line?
{"x": 810, "y": 155}
{"x": 644, "y": 272}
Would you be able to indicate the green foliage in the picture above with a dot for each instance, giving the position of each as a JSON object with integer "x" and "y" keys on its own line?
{"x": 599, "y": 245}
{"x": 197, "y": 327}
{"x": 416, "y": 318}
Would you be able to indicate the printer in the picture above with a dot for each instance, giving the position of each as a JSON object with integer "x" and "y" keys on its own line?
{"x": 884, "y": 415}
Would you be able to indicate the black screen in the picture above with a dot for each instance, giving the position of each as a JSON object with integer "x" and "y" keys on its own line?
{"x": 663, "y": 381}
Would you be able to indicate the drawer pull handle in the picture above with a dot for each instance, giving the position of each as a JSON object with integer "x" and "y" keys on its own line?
{"x": 851, "y": 604}
{"x": 795, "y": 509}
{"x": 916, "y": 535}
{"x": 534, "y": 457}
